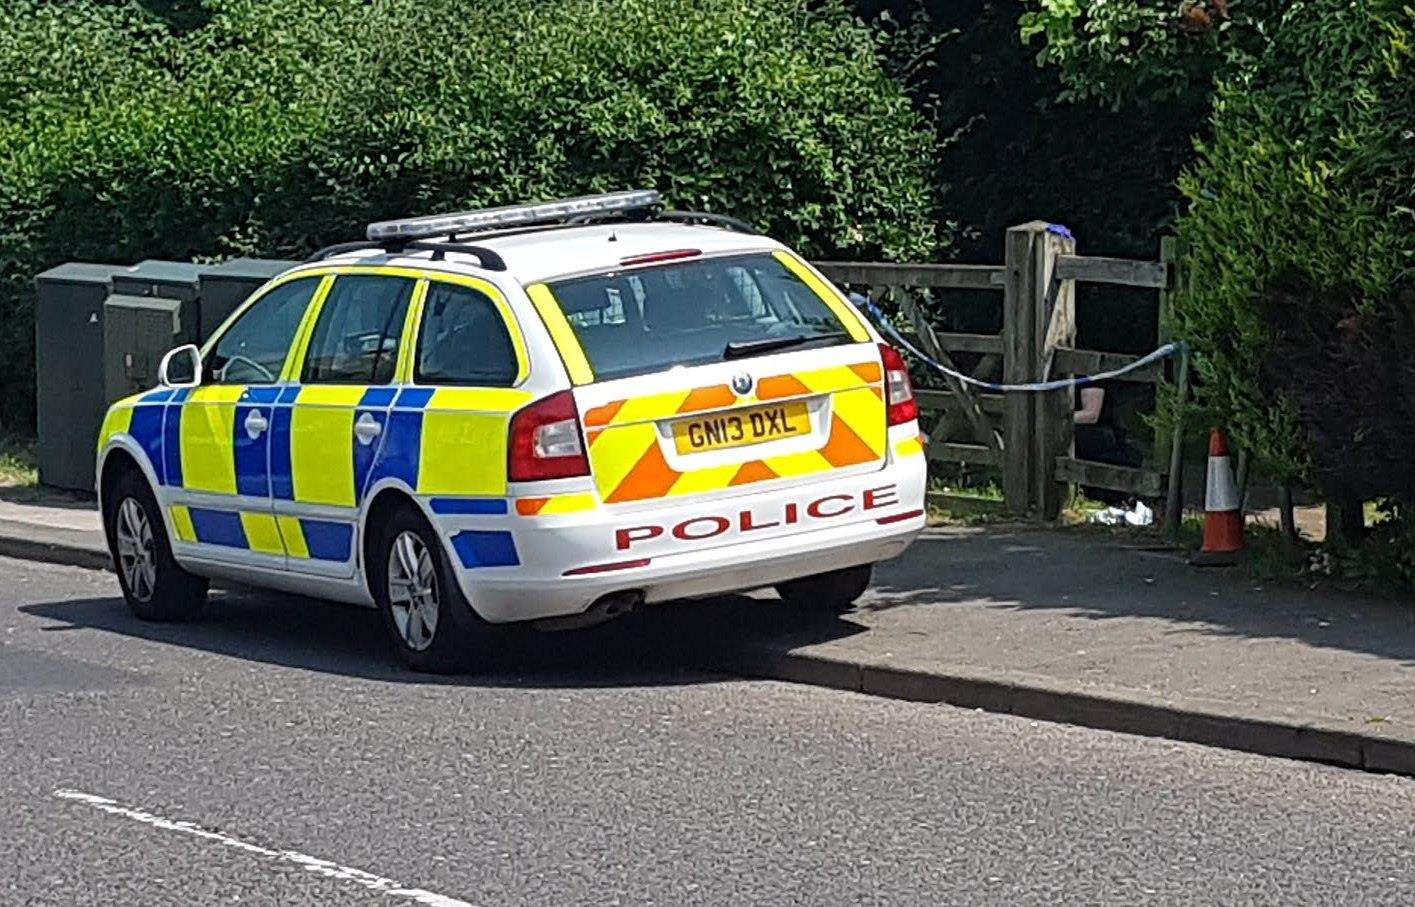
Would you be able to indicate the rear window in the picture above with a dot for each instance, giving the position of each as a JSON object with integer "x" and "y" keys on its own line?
{"x": 689, "y": 313}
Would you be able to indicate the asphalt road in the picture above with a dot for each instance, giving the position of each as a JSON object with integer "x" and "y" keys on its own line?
{"x": 272, "y": 754}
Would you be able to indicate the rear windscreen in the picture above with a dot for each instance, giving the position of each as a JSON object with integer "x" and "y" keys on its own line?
{"x": 688, "y": 313}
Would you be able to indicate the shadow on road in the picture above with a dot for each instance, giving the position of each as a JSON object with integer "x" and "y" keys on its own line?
{"x": 677, "y": 643}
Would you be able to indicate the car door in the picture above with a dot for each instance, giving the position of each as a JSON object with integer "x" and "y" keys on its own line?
{"x": 327, "y": 431}
{"x": 216, "y": 437}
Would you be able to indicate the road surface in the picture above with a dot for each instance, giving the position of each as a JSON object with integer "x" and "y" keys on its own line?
{"x": 272, "y": 754}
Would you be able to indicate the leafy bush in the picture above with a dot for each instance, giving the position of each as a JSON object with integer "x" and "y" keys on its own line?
{"x": 1121, "y": 51}
{"x": 1301, "y": 243}
{"x": 271, "y": 128}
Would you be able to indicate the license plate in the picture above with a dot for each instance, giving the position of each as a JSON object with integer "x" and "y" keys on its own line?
{"x": 739, "y": 428}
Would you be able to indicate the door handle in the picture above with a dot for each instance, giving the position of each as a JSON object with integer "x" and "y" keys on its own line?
{"x": 256, "y": 424}
{"x": 366, "y": 429}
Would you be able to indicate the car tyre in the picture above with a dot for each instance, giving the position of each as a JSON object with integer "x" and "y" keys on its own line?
{"x": 430, "y": 624}
{"x": 154, "y": 585}
{"x": 831, "y": 592}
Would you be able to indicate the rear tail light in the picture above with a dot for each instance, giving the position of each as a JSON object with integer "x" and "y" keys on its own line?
{"x": 546, "y": 442}
{"x": 900, "y": 405}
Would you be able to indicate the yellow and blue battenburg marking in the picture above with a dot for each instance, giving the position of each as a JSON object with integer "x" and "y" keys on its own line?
{"x": 322, "y": 540}
{"x": 445, "y": 442}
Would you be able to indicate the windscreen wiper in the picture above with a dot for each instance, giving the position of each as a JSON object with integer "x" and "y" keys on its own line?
{"x": 741, "y": 348}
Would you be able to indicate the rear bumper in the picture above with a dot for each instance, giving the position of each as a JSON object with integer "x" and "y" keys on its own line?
{"x": 688, "y": 550}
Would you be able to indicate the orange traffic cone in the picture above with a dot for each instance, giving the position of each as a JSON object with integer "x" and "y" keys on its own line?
{"x": 1223, "y": 518}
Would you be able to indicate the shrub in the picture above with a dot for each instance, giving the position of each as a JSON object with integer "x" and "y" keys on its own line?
{"x": 272, "y": 128}
{"x": 1301, "y": 243}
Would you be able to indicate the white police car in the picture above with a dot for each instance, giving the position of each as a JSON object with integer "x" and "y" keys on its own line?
{"x": 544, "y": 413}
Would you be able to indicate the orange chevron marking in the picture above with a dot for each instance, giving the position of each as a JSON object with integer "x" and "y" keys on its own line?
{"x": 714, "y": 397}
{"x": 755, "y": 471}
{"x": 591, "y": 434}
{"x": 868, "y": 371}
{"x": 530, "y": 506}
{"x": 603, "y": 415}
{"x": 780, "y": 386}
{"x": 651, "y": 477}
{"x": 845, "y": 447}
{"x": 878, "y": 389}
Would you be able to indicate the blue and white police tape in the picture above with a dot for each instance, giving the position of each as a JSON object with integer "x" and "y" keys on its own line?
{"x": 1164, "y": 352}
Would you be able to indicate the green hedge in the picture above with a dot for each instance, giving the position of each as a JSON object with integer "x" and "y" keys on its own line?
{"x": 1301, "y": 243}
{"x": 271, "y": 128}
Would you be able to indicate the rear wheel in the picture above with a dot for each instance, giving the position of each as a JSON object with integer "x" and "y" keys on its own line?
{"x": 430, "y": 624}
{"x": 831, "y": 592}
{"x": 153, "y": 584}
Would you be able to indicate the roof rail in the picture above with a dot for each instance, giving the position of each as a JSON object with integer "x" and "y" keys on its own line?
{"x": 513, "y": 215}
{"x": 706, "y": 217}
{"x": 488, "y": 259}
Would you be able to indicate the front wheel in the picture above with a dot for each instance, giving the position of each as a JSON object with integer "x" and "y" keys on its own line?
{"x": 153, "y": 584}
{"x": 429, "y": 622}
{"x": 831, "y": 592}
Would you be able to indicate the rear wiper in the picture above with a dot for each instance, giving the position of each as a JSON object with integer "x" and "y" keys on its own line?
{"x": 741, "y": 348}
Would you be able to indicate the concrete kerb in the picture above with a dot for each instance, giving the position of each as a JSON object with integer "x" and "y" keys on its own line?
{"x": 1028, "y": 698}
{"x": 31, "y": 543}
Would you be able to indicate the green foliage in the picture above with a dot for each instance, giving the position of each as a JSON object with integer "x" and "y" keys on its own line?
{"x": 248, "y": 127}
{"x": 1300, "y": 226}
{"x": 1168, "y": 51}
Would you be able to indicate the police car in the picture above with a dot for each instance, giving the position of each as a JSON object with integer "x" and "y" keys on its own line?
{"x": 548, "y": 413}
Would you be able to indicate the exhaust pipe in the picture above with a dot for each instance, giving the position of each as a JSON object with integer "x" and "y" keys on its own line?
{"x": 601, "y": 610}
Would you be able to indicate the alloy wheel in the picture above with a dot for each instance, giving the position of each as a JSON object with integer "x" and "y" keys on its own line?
{"x": 137, "y": 557}
{"x": 412, "y": 590}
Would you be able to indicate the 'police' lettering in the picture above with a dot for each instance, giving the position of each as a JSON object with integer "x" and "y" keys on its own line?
{"x": 623, "y": 538}
{"x": 884, "y": 496}
{"x": 716, "y": 526}
{"x": 816, "y": 507}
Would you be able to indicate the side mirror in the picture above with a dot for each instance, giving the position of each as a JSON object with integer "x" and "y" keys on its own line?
{"x": 180, "y": 367}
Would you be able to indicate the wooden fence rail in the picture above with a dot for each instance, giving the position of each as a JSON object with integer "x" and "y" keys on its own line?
{"x": 1028, "y": 438}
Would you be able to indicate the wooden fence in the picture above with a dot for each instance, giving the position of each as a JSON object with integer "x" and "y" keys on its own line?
{"x": 1027, "y": 437}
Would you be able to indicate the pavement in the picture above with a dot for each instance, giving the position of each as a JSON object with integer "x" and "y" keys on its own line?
{"x": 273, "y": 753}
{"x": 1068, "y": 626}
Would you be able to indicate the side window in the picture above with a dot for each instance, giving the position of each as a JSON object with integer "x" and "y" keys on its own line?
{"x": 253, "y": 350}
{"x": 463, "y": 340}
{"x": 355, "y": 340}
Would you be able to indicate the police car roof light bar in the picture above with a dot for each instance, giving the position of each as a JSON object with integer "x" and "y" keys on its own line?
{"x": 512, "y": 216}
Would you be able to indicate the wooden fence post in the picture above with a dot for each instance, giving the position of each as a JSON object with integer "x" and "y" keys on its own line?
{"x": 1054, "y": 318}
{"x": 1171, "y": 253}
{"x": 1019, "y": 361}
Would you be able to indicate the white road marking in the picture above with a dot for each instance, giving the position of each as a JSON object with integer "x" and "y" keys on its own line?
{"x": 313, "y": 864}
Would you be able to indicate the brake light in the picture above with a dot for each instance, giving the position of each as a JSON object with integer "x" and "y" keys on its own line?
{"x": 546, "y": 442}
{"x": 900, "y": 405}
{"x": 654, "y": 257}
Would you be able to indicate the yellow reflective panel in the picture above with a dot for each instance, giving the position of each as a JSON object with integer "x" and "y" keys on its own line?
{"x": 569, "y": 503}
{"x": 293, "y": 535}
{"x": 909, "y": 447}
{"x": 561, "y": 333}
{"x": 479, "y": 399}
{"x": 182, "y": 522}
{"x": 261, "y": 532}
{"x": 463, "y": 453}
{"x": 321, "y": 432}
{"x": 117, "y": 422}
{"x": 828, "y": 294}
{"x": 208, "y": 439}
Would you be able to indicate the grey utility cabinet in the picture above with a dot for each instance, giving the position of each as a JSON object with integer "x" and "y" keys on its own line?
{"x": 227, "y": 285}
{"x": 68, "y": 351}
{"x": 174, "y": 280}
{"x": 153, "y": 308}
{"x": 138, "y": 332}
